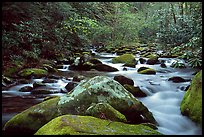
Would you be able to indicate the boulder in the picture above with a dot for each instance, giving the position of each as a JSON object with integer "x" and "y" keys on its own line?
{"x": 125, "y": 58}
{"x": 36, "y": 72}
{"x": 136, "y": 91}
{"x": 100, "y": 89}
{"x": 88, "y": 125}
{"x": 105, "y": 111}
{"x": 153, "y": 59}
{"x": 124, "y": 80}
{"x": 49, "y": 68}
{"x": 104, "y": 67}
{"x": 177, "y": 79}
{"x": 146, "y": 70}
{"x": 191, "y": 104}
{"x": 132, "y": 65}
{"x": 95, "y": 61}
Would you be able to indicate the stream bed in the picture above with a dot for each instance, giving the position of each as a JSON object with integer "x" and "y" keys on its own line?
{"x": 163, "y": 96}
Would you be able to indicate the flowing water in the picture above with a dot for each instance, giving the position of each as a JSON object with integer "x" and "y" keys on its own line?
{"x": 163, "y": 100}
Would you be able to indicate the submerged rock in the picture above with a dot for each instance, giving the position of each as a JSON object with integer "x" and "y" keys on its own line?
{"x": 99, "y": 89}
{"x": 88, "y": 125}
{"x": 191, "y": 104}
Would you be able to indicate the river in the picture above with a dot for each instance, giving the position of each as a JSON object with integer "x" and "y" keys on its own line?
{"x": 163, "y": 100}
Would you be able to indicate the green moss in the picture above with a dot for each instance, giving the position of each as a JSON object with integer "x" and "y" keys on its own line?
{"x": 30, "y": 120}
{"x": 32, "y": 71}
{"x": 125, "y": 58}
{"x": 191, "y": 104}
{"x": 152, "y": 56}
{"x": 147, "y": 71}
{"x": 105, "y": 111}
{"x": 80, "y": 125}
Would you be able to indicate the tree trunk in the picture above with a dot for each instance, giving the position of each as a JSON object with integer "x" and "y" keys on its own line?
{"x": 173, "y": 14}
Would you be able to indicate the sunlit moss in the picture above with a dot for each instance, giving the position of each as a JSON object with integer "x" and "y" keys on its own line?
{"x": 191, "y": 104}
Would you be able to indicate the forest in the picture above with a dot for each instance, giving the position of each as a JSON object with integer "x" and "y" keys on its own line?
{"x": 54, "y": 48}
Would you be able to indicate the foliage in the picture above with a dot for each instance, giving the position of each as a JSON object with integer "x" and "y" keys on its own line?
{"x": 33, "y": 30}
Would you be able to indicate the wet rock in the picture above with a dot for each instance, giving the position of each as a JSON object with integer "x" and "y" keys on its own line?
{"x": 132, "y": 65}
{"x": 142, "y": 60}
{"x": 191, "y": 104}
{"x": 146, "y": 70}
{"x": 49, "y": 81}
{"x": 177, "y": 79}
{"x": 124, "y": 69}
{"x": 49, "y": 68}
{"x": 95, "y": 61}
{"x": 29, "y": 72}
{"x": 70, "y": 86}
{"x": 163, "y": 65}
{"x": 104, "y": 67}
{"x": 45, "y": 90}
{"x": 105, "y": 111}
{"x": 78, "y": 78}
{"x": 153, "y": 59}
{"x": 123, "y": 80}
{"x": 88, "y": 125}
{"x": 38, "y": 84}
{"x": 136, "y": 91}
{"x": 125, "y": 58}
{"x": 100, "y": 89}
{"x": 26, "y": 89}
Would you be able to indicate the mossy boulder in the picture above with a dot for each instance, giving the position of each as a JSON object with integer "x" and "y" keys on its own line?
{"x": 105, "y": 111}
{"x": 136, "y": 91}
{"x": 49, "y": 68}
{"x": 146, "y": 70}
{"x": 152, "y": 59}
{"x": 191, "y": 104}
{"x": 36, "y": 72}
{"x": 100, "y": 89}
{"x": 95, "y": 61}
{"x": 30, "y": 120}
{"x": 125, "y": 58}
{"x": 88, "y": 125}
